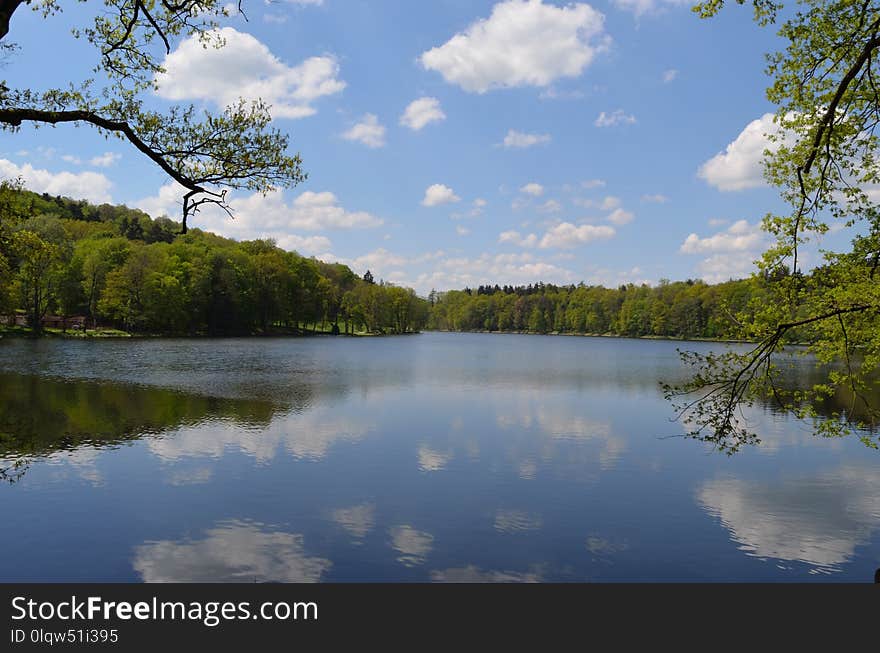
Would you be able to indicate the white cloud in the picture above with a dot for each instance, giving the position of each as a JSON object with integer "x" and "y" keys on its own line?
{"x": 105, "y": 160}
{"x": 304, "y": 244}
{"x": 740, "y": 165}
{"x": 615, "y": 118}
{"x": 723, "y": 267}
{"x": 607, "y": 203}
{"x": 271, "y": 216}
{"x": 620, "y": 217}
{"x": 514, "y": 269}
{"x": 567, "y": 236}
{"x": 368, "y": 132}
{"x": 533, "y": 189}
{"x": 593, "y": 183}
{"x": 516, "y": 238}
{"x": 519, "y": 140}
{"x": 462, "y": 231}
{"x": 244, "y": 67}
{"x": 655, "y": 199}
{"x": 422, "y": 112}
{"x": 732, "y": 252}
{"x": 740, "y": 236}
{"x": 550, "y": 206}
{"x": 669, "y": 75}
{"x": 92, "y": 186}
{"x": 438, "y": 194}
{"x": 641, "y": 7}
{"x": 718, "y": 222}
{"x": 522, "y": 43}
{"x": 610, "y": 202}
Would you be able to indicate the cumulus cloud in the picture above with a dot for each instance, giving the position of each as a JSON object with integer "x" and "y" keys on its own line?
{"x": 615, "y": 118}
{"x": 270, "y": 216}
{"x": 462, "y": 231}
{"x": 566, "y": 235}
{"x": 92, "y": 186}
{"x": 522, "y": 43}
{"x": 534, "y": 189}
{"x": 244, "y": 67}
{"x": 437, "y": 194}
{"x": 368, "y": 132}
{"x": 669, "y": 75}
{"x": 514, "y": 269}
{"x": 550, "y": 206}
{"x": 593, "y": 183}
{"x": 740, "y": 165}
{"x": 516, "y": 238}
{"x": 520, "y": 140}
{"x": 422, "y": 112}
{"x": 740, "y": 236}
{"x": 105, "y": 160}
{"x": 620, "y": 217}
{"x": 731, "y": 252}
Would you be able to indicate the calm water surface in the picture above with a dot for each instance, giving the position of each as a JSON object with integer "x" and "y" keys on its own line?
{"x": 444, "y": 457}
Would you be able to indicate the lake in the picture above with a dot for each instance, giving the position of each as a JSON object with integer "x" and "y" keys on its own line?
{"x": 433, "y": 457}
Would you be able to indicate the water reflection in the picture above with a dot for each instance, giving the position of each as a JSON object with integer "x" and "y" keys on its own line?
{"x": 516, "y": 521}
{"x": 231, "y": 552}
{"x": 817, "y": 520}
{"x": 302, "y": 435}
{"x": 42, "y": 416}
{"x": 432, "y": 461}
{"x": 357, "y": 520}
{"x": 440, "y": 457}
{"x": 473, "y": 574}
{"x": 413, "y": 545}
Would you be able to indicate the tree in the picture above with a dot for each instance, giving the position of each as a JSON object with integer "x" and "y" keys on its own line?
{"x": 207, "y": 154}
{"x": 38, "y": 259}
{"x": 824, "y": 160}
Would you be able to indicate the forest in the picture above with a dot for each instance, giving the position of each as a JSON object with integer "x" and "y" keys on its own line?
{"x": 682, "y": 309}
{"x": 118, "y": 268}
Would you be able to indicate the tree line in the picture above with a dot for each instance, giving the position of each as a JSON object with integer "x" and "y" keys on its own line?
{"x": 120, "y": 268}
{"x": 681, "y": 309}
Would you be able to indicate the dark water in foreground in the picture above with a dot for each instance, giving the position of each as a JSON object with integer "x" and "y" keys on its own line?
{"x": 433, "y": 457}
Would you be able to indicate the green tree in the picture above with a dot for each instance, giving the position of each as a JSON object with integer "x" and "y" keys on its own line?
{"x": 38, "y": 260}
{"x": 207, "y": 154}
{"x": 824, "y": 160}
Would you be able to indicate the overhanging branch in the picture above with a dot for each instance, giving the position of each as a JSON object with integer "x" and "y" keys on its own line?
{"x": 16, "y": 116}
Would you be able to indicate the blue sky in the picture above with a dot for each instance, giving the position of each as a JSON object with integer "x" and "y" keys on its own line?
{"x": 458, "y": 142}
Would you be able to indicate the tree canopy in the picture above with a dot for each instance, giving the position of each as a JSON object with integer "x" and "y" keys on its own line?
{"x": 824, "y": 160}
{"x": 206, "y": 154}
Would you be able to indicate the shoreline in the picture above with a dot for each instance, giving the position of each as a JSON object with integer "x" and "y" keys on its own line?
{"x": 598, "y": 335}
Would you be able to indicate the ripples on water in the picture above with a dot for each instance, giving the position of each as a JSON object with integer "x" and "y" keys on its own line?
{"x": 443, "y": 457}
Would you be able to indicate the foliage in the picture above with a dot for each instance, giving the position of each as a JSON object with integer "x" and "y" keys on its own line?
{"x": 206, "y": 154}
{"x": 823, "y": 159}
{"x": 121, "y": 269}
